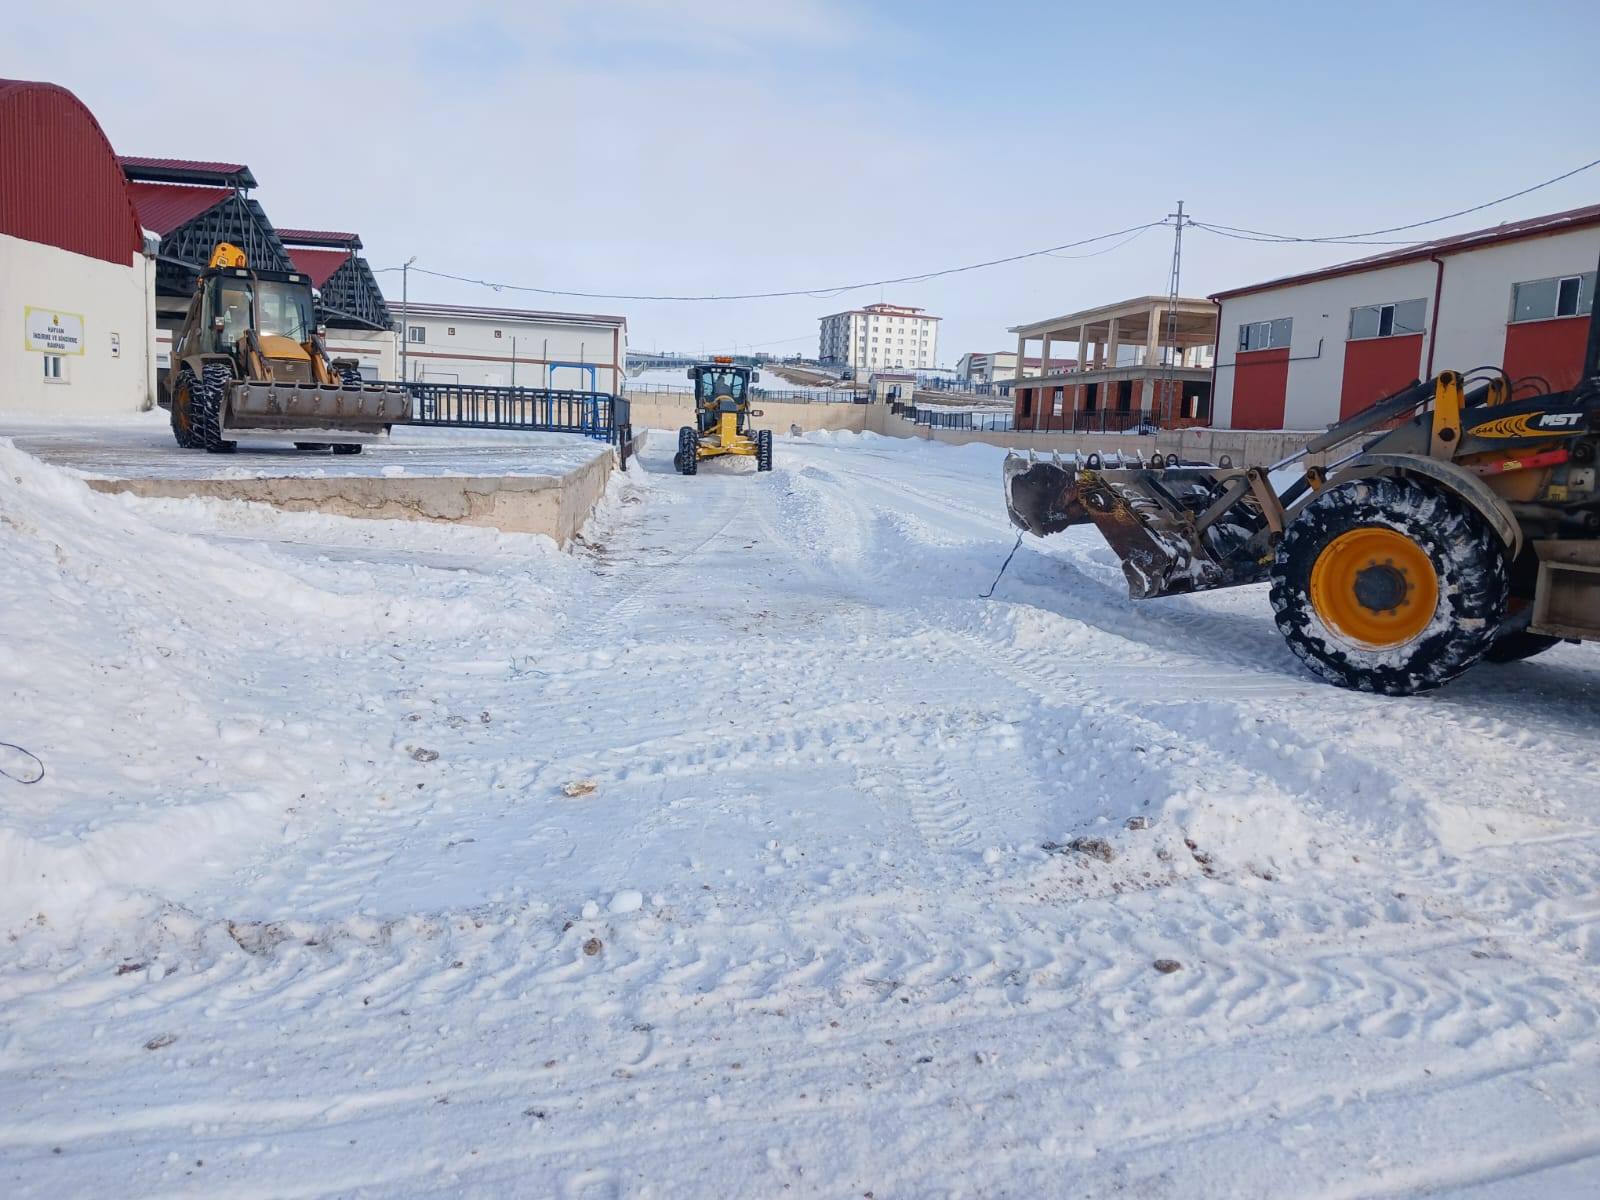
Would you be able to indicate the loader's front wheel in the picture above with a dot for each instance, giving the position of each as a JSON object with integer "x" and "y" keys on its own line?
{"x": 183, "y": 430}
{"x": 206, "y": 407}
{"x": 687, "y": 460}
{"x": 764, "y": 450}
{"x": 1389, "y": 585}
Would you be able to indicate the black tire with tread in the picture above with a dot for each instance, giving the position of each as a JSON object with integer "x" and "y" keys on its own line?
{"x": 1467, "y": 557}
{"x": 687, "y": 459}
{"x": 183, "y": 431}
{"x": 347, "y": 447}
{"x": 764, "y": 450}
{"x": 206, "y": 407}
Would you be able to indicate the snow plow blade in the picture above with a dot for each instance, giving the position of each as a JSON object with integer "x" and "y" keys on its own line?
{"x": 1176, "y": 527}
{"x": 318, "y": 412}
{"x": 1041, "y": 495}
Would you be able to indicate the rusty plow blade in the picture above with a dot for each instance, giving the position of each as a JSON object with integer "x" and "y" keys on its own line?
{"x": 1042, "y": 494}
{"x": 1175, "y": 527}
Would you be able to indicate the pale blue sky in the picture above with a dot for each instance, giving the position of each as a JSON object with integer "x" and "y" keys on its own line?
{"x": 719, "y": 145}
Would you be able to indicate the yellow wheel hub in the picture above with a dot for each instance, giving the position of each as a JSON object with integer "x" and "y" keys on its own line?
{"x": 1375, "y": 587}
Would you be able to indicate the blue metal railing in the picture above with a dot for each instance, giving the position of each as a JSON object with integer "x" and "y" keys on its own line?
{"x": 598, "y": 415}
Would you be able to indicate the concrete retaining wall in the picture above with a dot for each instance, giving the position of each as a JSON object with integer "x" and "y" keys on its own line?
{"x": 556, "y": 506}
{"x": 1244, "y": 447}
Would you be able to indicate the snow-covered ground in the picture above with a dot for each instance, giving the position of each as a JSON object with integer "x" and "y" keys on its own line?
{"x": 745, "y": 851}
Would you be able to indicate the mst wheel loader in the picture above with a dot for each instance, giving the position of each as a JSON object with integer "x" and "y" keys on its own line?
{"x": 250, "y": 363}
{"x": 1464, "y": 525}
{"x": 722, "y": 418}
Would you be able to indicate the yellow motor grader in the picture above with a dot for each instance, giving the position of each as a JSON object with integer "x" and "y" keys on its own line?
{"x": 1459, "y": 520}
{"x": 249, "y": 362}
{"x": 722, "y": 418}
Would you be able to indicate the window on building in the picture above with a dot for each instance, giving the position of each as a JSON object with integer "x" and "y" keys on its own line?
{"x": 55, "y": 368}
{"x": 497, "y": 333}
{"x": 416, "y": 333}
{"x": 1542, "y": 299}
{"x": 451, "y": 331}
{"x": 1387, "y": 320}
{"x": 1266, "y": 335}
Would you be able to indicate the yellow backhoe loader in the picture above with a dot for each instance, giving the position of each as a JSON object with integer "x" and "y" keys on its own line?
{"x": 722, "y": 418}
{"x": 1459, "y": 519}
{"x": 250, "y": 363}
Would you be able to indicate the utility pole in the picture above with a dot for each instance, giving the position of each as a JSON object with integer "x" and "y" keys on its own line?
{"x": 1169, "y": 374}
{"x": 405, "y": 319}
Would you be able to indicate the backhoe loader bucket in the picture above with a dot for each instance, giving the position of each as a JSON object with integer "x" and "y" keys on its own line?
{"x": 348, "y": 411}
{"x": 1176, "y": 528}
{"x": 1042, "y": 494}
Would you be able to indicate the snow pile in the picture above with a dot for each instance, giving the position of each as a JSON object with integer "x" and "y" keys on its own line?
{"x": 186, "y": 697}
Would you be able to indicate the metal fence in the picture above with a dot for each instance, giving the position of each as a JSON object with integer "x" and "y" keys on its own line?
{"x": 953, "y": 418}
{"x": 597, "y": 415}
{"x": 806, "y": 396}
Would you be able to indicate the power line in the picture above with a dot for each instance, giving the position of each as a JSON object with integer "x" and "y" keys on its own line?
{"x": 816, "y": 293}
{"x": 1128, "y": 235}
{"x": 1259, "y": 235}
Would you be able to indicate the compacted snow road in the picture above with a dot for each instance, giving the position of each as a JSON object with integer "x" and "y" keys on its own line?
{"x": 745, "y": 851}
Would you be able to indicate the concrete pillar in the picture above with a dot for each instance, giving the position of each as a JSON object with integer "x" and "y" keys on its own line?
{"x": 1113, "y": 335}
{"x": 1152, "y": 342}
{"x": 1044, "y": 354}
{"x": 1022, "y": 355}
{"x": 1083, "y": 349}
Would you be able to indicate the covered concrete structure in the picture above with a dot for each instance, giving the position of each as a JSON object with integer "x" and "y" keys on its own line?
{"x": 1141, "y": 361}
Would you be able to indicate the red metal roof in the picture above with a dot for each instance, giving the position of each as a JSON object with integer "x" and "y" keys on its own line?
{"x": 320, "y": 237}
{"x": 319, "y": 264}
{"x": 60, "y": 184}
{"x": 165, "y": 206}
{"x": 186, "y": 170}
{"x": 1510, "y": 231}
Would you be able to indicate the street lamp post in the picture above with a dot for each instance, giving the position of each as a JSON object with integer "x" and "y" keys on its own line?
{"x": 405, "y": 319}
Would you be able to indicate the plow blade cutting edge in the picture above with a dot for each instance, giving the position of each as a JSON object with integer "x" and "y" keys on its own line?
{"x": 1176, "y": 529}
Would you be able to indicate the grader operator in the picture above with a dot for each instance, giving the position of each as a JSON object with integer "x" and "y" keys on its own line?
{"x": 250, "y": 362}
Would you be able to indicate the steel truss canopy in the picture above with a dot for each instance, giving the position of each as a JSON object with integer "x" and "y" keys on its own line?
{"x": 350, "y": 296}
{"x": 192, "y": 206}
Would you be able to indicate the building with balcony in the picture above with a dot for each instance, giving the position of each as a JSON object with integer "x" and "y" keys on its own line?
{"x": 880, "y": 337}
{"x": 1141, "y": 362}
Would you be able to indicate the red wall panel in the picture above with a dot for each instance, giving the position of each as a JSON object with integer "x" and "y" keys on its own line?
{"x": 1553, "y": 349}
{"x": 60, "y": 182}
{"x": 1378, "y": 367}
{"x": 1260, "y": 388}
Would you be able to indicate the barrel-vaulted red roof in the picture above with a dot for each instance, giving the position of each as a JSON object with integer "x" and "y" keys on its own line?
{"x": 165, "y": 206}
{"x": 79, "y": 201}
{"x": 319, "y": 264}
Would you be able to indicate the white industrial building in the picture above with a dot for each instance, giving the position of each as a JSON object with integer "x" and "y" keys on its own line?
{"x": 507, "y": 347}
{"x": 1301, "y": 352}
{"x": 880, "y": 337}
{"x": 77, "y": 274}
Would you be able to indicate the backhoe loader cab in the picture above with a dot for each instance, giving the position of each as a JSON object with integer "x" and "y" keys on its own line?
{"x": 250, "y": 362}
{"x": 722, "y": 418}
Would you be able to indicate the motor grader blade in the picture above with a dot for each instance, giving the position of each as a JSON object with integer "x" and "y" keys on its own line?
{"x": 1042, "y": 494}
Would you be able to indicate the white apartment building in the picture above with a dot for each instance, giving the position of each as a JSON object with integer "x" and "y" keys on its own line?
{"x": 881, "y": 337}
{"x": 508, "y": 347}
